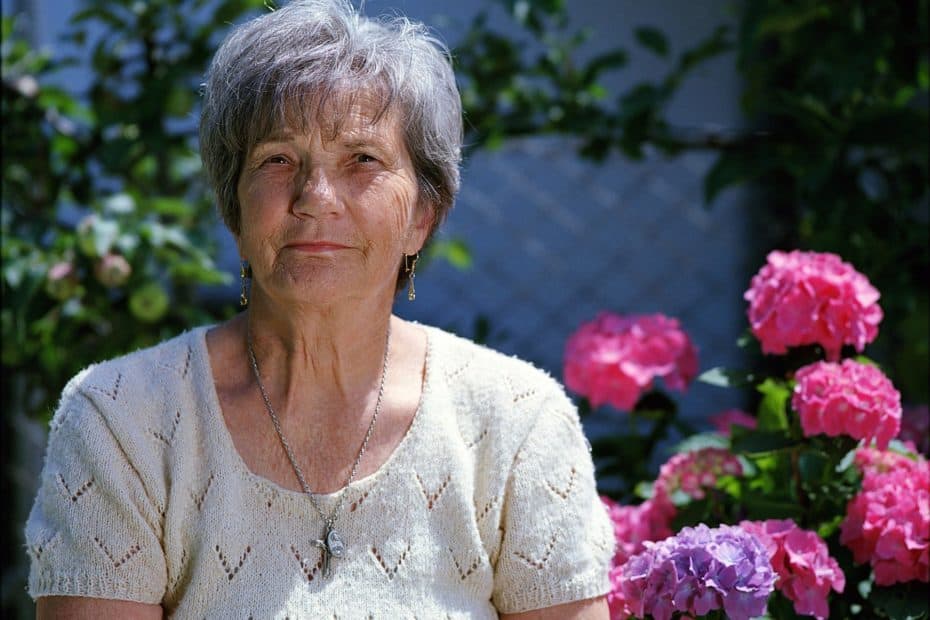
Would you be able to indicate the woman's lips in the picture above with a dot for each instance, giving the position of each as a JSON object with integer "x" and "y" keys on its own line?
{"x": 317, "y": 246}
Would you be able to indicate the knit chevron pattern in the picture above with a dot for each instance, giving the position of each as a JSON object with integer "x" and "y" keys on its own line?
{"x": 487, "y": 506}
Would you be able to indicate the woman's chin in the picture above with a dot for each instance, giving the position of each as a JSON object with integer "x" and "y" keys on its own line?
{"x": 321, "y": 290}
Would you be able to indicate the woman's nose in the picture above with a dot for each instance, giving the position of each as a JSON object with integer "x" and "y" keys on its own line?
{"x": 316, "y": 194}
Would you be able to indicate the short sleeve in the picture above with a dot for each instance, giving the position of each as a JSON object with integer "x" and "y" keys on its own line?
{"x": 93, "y": 531}
{"x": 557, "y": 540}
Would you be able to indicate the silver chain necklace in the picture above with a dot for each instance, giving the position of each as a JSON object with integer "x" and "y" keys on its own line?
{"x": 332, "y": 544}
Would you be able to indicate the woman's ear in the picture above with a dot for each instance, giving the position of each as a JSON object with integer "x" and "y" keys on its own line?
{"x": 424, "y": 218}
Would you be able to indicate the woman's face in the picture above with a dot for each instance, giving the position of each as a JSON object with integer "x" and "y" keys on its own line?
{"x": 328, "y": 216}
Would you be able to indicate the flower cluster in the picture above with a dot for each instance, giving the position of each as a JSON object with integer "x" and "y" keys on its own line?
{"x": 872, "y": 461}
{"x": 887, "y": 523}
{"x": 806, "y": 571}
{"x": 635, "y": 525}
{"x": 801, "y": 298}
{"x": 616, "y": 601}
{"x": 614, "y": 359}
{"x": 847, "y": 399}
{"x": 691, "y": 472}
{"x": 698, "y": 570}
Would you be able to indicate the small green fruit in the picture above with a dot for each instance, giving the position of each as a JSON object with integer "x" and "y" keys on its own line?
{"x": 149, "y": 302}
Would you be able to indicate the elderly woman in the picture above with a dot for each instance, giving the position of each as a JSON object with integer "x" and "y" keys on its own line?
{"x": 316, "y": 456}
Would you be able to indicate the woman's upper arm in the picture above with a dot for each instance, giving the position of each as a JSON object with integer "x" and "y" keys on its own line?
{"x": 95, "y": 527}
{"x": 557, "y": 539}
{"x": 85, "y": 608}
{"x": 589, "y": 609}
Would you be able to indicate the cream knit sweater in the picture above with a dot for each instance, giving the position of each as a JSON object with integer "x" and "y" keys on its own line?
{"x": 487, "y": 505}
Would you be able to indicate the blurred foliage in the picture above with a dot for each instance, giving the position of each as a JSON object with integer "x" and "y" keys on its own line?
{"x": 836, "y": 97}
{"x": 841, "y": 91}
{"x": 107, "y": 225}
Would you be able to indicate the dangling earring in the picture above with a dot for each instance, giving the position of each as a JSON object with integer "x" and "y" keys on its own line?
{"x": 245, "y": 272}
{"x": 411, "y": 268}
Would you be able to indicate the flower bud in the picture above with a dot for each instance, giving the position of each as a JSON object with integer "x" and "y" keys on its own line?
{"x": 112, "y": 270}
{"x": 62, "y": 281}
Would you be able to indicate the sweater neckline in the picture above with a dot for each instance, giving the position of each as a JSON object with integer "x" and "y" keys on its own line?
{"x": 228, "y": 447}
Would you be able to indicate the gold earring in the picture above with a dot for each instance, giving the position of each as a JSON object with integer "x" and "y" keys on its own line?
{"x": 244, "y": 274}
{"x": 411, "y": 268}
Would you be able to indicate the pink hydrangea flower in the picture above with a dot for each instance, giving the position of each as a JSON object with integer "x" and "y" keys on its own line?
{"x": 805, "y": 570}
{"x": 616, "y": 600}
{"x": 692, "y": 472}
{"x": 847, "y": 399}
{"x": 800, "y": 298}
{"x": 731, "y": 417}
{"x": 614, "y": 359}
{"x": 634, "y": 525}
{"x": 915, "y": 428}
{"x": 870, "y": 460}
{"x": 888, "y": 523}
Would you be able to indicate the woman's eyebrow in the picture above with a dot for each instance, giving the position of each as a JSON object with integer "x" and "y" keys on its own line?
{"x": 285, "y": 136}
{"x": 357, "y": 142}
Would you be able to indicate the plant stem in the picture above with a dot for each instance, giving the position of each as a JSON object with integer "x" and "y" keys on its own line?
{"x": 659, "y": 430}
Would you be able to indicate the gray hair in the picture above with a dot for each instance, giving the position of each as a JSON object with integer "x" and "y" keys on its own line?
{"x": 280, "y": 69}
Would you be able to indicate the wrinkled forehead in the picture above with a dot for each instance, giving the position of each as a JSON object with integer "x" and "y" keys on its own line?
{"x": 336, "y": 112}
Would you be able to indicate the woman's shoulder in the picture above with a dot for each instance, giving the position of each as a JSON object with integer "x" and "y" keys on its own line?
{"x": 136, "y": 374}
{"x": 138, "y": 390}
{"x": 490, "y": 389}
{"x": 466, "y": 362}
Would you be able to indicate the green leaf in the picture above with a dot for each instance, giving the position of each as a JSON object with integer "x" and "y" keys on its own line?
{"x": 652, "y": 39}
{"x": 901, "y": 601}
{"x": 169, "y": 206}
{"x": 813, "y": 466}
{"x": 729, "y": 169}
{"x": 613, "y": 445}
{"x": 689, "y": 514}
{"x": 755, "y": 442}
{"x": 119, "y": 204}
{"x": 773, "y": 407}
{"x": 847, "y": 461}
{"x": 179, "y": 102}
{"x": 791, "y": 19}
{"x": 701, "y": 441}
{"x": 760, "y": 507}
{"x": 104, "y": 234}
{"x": 644, "y": 489}
{"x": 715, "y": 43}
{"x": 453, "y": 250}
{"x": 613, "y": 59}
{"x": 896, "y": 445}
{"x": 828, "y": 528}
{"x": 722, "y": 377}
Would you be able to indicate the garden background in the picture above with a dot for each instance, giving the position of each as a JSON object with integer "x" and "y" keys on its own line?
{"x": 620, "y": 157}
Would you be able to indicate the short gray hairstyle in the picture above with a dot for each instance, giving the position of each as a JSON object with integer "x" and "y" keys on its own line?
{"x": 280, "y": 69}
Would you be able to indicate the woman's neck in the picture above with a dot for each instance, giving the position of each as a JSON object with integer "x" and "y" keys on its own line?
{"x": 325, "y": 361}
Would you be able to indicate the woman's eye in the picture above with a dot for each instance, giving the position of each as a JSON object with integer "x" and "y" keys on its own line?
{"x": 276, "y": 159}
{"x": 364, "y": 158}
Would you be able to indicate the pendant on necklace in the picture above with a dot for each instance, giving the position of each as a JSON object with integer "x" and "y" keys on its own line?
{"x": 331, "y": 546}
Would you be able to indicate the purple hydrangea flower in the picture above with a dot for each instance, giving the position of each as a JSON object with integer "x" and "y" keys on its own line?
{"x": 698, "y": 570}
